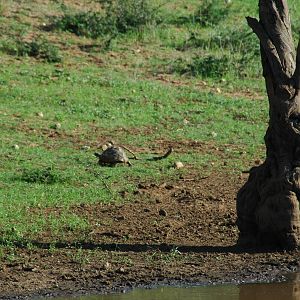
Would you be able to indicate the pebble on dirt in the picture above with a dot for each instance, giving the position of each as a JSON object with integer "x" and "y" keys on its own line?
{"x": 214, "y": 134}
{"x": 56, "y": 126}
{"x": 85, "y": 148}
{"x": 178, "y": 165}
{"x": 40, "y": 114}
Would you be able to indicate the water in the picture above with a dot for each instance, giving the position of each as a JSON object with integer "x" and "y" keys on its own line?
{"x": 272, "y": 291}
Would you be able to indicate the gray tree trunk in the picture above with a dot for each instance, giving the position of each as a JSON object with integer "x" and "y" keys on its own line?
{"x": 268, "y": 204}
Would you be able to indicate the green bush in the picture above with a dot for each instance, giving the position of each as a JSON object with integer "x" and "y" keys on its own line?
{"x": 207, "y": 66}
{"x": 211, "y": 13}
{"x": 89, "y": 24}
{"x": 241, "y": 40}
{"x": 214, "y": 66}
{"x": 242, "y": 47}
{"x": 44, "y": 176}
{"x": 119, "y": 16}
{"x": 131, "y": 14}
{"x": 39, "y": 48}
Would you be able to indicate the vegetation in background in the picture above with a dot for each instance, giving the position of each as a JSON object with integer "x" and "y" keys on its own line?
{"x": 207, "y": 66}
{"x": 39, "y": 48}
{"x": 118, "y": 16}
{"x": 236, "y": 40}
{"x": 211, "y": 12}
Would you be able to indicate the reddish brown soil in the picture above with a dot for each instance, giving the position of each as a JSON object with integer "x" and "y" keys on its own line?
{"x": 182, "y": 232}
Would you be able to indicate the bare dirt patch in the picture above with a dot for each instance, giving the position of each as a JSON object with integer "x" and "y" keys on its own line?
{"x": 179, "y": 232}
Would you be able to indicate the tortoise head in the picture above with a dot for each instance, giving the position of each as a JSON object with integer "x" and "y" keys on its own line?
{"x": 97, "y": 154}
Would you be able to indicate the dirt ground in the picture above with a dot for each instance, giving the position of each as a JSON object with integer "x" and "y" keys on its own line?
{"x": 179, "y": 233}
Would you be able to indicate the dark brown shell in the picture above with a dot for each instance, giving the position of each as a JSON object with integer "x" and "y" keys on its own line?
{"x": 112, "y": 155}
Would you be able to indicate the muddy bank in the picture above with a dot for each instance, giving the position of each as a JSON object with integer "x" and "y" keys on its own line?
{"x": 171, "y": 233}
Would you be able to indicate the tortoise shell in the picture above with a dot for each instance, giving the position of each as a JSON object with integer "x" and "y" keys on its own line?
{"x": 112, "y": 156}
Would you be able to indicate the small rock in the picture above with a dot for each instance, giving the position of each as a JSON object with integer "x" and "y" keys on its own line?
{"x": 85, "y": 148}
{"x": 121, "y": 270}
{"x": 107, "y": 265}
{"x": 40, "y": 114}
{"x": 16, "y": 147}
{"x": 212, "y": 198}
{"x": 214, "y": 134}
{"x": 29, "y": 268}
{"x": 120, "y": 218}
{"x": 138, "y": 192}
{"x": 56, "y": 126}
{"x": 142, "y": 186}
{"x": 162, "y": 213}
{"x": 185, "y": 121}
{"x": 178, "y": 165}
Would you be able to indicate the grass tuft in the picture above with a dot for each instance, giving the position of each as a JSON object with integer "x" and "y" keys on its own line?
{"x": 43, "y": 176}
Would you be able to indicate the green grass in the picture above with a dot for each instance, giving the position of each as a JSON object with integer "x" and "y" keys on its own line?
{"x": 117, "y": 93}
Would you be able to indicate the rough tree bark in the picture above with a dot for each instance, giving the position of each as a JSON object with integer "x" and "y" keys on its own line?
{"x": 268, "y": 204}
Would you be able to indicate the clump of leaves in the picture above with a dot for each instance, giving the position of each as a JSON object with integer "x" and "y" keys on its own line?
{"x": 45, "y": 176}
{"x": 39, "y": 48}
{"x": 118, "y": 16}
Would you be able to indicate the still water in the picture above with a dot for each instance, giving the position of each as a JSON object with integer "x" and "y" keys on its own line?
{"x": 289, "y": 290}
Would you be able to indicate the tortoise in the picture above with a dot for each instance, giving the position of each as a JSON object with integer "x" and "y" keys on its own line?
{"x": 112, "y": 155}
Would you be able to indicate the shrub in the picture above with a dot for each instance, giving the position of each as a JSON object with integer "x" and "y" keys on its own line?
{"x": 45, "y": 176}
{"x": 210, "y": 13}
{"x": 119, "y": 16}
{"x": 213, "y": 66}
{"x": 39, "y": 48}
{"x": 89, "y": 24}
{"x": 242, "y": 40}
{"x": 131, "y": 14}
{"x": 208, "y": 66}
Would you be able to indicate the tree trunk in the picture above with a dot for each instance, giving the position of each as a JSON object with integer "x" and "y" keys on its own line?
{"x": 268, "y": 204}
